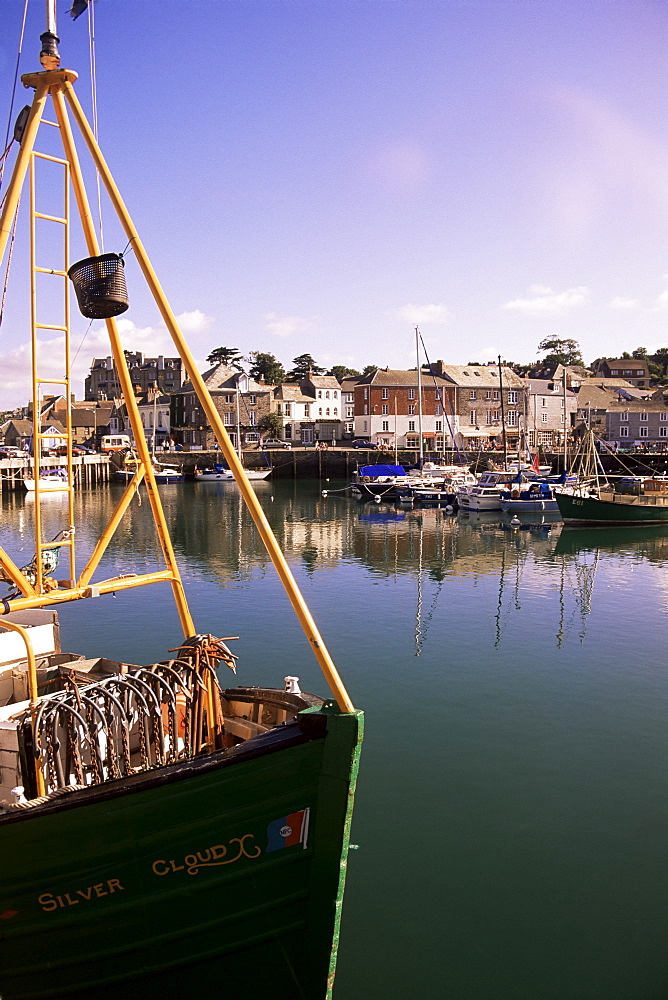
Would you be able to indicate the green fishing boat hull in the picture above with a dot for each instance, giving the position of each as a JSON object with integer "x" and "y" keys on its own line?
{"x": 624, "y": 509}
{"x": 220, "y": 876}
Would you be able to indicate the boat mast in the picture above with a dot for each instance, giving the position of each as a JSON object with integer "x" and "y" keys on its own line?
{"x": 419, "y": 375}
{"x": 239, "y": 450}
{"x": 58, "y": 84}
{"x": 503, "y": 420}
{"x": 565, "y": 426}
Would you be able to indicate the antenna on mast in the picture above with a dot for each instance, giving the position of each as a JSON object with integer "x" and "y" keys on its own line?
{"x": 50, "y": 56}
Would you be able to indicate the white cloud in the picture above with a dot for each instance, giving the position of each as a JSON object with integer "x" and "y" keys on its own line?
{"x": 150, "y": 340}
{"x": 543, "y": 300}
{"x": 419, "y": 315}
{"x": 287, "y": 326}
{"x": 662, "y": 301}
{"x": 621, "y": 302}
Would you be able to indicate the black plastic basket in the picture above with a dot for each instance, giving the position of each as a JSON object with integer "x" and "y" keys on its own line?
{"x": 100, "y": 286}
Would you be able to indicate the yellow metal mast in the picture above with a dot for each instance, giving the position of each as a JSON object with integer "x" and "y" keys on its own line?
{"x": 58, "y": 84}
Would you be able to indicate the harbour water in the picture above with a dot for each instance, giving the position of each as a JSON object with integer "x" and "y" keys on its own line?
{"x": 512, "y": 809}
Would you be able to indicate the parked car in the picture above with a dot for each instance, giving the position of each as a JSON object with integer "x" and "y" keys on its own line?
{"x": 275, "y": 443}
{"x": 77, "y": 449}
{"x": 362, "y": 443}
{"x": 11, "y": 452}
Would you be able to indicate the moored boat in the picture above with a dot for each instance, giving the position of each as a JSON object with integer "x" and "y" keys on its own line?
{"x": 607, "y": 506}
{"x": 49, "y": 481}
{"x": 220, "y": 473}
{"x": 168, "y": 835}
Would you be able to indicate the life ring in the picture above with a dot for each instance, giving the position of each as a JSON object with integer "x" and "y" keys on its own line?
{"x": 366, "y": 479}
{"x": 515, "y": 494}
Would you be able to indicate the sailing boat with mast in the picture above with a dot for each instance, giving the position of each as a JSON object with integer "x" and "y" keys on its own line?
{"x": 163, "y": 834}
{"x": 220, "y": 472}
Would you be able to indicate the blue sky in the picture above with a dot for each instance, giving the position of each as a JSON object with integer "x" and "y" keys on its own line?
{"x": 323, "y": 176}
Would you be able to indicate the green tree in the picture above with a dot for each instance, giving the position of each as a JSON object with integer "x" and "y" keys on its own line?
{"x": 369, "y": 369}
{"x": 302, "y": 366}
{"x": 640, "y": 353}
{"x": 225, "y": 356}
{"x": 561, "y": 352}
{"x": 270, "y": 425}
{"x": 340, "y": 372}
{"x": 266, "y": 366}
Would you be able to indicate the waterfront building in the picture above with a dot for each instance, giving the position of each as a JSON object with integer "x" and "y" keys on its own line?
{"x": 102, "y": 381}
{"x": 387, "y": 409}
{"x": 550, "y": 414}
{"x": 189, "y": 425}
{"x": 482, "y": 399}
{"x": 154, "y": 409}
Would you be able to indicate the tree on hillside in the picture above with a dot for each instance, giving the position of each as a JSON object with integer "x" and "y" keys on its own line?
{"x": 270, "y": 425}
{"x": 369, "y": 369}
{"x": 640, "y": 353}
{"x": 225, "y": 356}
{"x": 302, "y": 366}
{"x": 561, "y": 352}
{"x": 340, "y": 372}
{"x": 266, "y": 366}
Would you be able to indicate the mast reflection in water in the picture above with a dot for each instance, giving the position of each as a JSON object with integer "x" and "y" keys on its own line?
{"x": 513, "y": 826}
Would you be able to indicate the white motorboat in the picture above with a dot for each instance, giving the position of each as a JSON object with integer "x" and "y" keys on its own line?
{"x": 220, "y": 473}
{"x": 53, "y": 481}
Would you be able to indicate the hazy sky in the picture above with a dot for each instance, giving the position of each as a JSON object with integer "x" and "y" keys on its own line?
{"x": 322, "y": 176}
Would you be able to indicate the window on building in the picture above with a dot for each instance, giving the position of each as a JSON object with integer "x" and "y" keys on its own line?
{"x": 229, "y": 398}
{"x": 335, "y": 412}
{"x": 543, "y": 401}
{"x": 411, "y": 393}
{"x": 439, "y": 425}
{"x": 663, "y": 416}
{"x": 252, "y": 400}
{"x": 411, "y": 425}
{"x": 644, "y": 432}
{"x": 488, "y": 394}
{"x": 623, "y": 432}
{"x": 663, "y": 432}
{"x": 473, "y": 394}
{"x": 279, "y": 409}
{"x": 473, "y": 417}
{"x": 438, "y": 410}
{"x": 411, "y": 408}
{"x": 327, "y": 394}
{"x": 543, "y": 418}
{"x": 366, "y": 409}
{"x": 307, "y": 409}
{"x": 335, "y": 394}
{"x": 624, "y": 415}
{"x": 366, "y": 392}
{"x": 497, "y": 394}
{"x": 512, "y": 396}
{"x": 489, "y": 416}
{"x": 512, "y": 418}
{"x": 386, "y": 408}
{"x": 327, "y": 412}
{"x": 252, "y": 418}
{"x": 252, "y": 437}
{"x": 386, "y": 393}
{"x": 643, "y": 415}
{"x": 320, "y": 411}
{"x": 386, "y": 425}
{"x": 350, "y": 411}
{"x": 412, "y": 441}
{"x": 320, "y": 394}
{"x": 288, "y": 410}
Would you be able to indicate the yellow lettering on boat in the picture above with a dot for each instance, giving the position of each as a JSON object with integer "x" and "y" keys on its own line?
{"x": 49, "y": 902}
{"x": 211, "y": 857}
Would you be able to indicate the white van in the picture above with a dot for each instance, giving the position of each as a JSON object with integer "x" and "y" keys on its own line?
{"x": 115, "y": 442}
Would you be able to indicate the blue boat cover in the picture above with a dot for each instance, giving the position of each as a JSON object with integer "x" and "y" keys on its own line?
{"x": 382, "y": 470}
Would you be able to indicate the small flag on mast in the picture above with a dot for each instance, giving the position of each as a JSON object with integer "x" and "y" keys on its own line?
{"x": 534, "y": 464}
{"x": 77, "y": 8}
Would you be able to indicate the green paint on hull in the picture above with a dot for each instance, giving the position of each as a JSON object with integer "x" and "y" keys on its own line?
{"x": 624, "y": 509}
{"x": 167, "y": 885}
